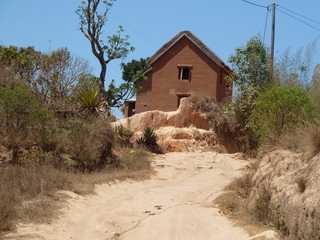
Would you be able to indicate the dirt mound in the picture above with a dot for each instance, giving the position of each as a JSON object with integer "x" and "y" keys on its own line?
{"x": 172, "y": 139}
{"x": 286, "y": 192}
{"x": 185, "y": 116}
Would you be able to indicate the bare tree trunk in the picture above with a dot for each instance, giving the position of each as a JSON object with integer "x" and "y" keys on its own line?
{"x": 103, "y": 74}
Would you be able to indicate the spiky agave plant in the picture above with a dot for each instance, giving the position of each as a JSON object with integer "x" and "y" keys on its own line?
{"x": 149, "y": 140}
{"x": 89, "y": 98}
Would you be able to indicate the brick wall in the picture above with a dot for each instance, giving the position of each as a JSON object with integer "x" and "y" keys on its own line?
{"x": 162, "y": 87}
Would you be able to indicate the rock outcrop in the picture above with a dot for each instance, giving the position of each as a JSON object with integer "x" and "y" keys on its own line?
{"x": 286, "y": 189}
{"x": 172, "y": 139}
{"x": 185, "y": 116}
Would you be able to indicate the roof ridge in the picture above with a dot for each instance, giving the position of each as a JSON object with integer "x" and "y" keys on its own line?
{"x": 192, "y": 37}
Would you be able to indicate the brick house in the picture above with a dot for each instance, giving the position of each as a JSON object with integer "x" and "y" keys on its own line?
{"x": 182, "y": 67}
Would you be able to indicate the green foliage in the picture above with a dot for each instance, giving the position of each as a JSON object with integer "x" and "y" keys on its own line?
{"x": 118, "y": 45}
{"x": 250, "y": 65}
{"x": 244, "y": 105}
{"x": 89, "y": 99}
{"x": 149, "y": 140}
{"x": 53, "y": 77}
{"x": 88, "y": 93}
{"x": 315, "y": 89}
{"x": 280, "y": 108}
{"x": 134, "y": 71}
{"x": 93, "y": 15}
{"x": 22, "y": 116}
{"x": 133, "y": 74}
{"x": 23, "y": 61}
{"x": 251, "y": 75}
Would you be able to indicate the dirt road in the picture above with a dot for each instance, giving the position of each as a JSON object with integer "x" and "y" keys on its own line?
{"x": 176, "y": 204}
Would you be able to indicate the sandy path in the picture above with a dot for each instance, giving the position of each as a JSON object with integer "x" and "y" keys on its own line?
{"x": 175, "y": 204}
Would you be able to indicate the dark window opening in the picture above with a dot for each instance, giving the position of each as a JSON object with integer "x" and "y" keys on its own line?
{"x": 184, "y": 73}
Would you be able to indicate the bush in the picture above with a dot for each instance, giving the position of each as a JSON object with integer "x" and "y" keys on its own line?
{"x": 87, "y": 144}
{"x": 22, "y": 118}
{"x": 279, "y": 109}
{"x": 88, "y": 93}
{"x": 149, "y": 140}
{"x": 135, "y": 160}
{"x": 123, "y": 136}
{"x": 304, "y": 139}
{"x": 262, "y": 207}
{"x": 228, "y": 121}
{"x": 20, "y": 110}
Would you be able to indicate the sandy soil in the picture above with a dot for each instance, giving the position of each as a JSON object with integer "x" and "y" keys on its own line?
{"x": 175, "y": 204}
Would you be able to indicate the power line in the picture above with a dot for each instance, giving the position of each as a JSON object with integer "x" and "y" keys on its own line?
{"x": 300, "y": 20}
{"x": 300, "y": 15}
{"x": 254, "y": 4}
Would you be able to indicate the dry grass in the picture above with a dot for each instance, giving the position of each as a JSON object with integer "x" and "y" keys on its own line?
{"x": 28, "y": 193}
{"x": 133, "y": 164}
{"x": 305, "y": 139}
{"x": 21, "y": 184}
{"x": 233, "y": 202}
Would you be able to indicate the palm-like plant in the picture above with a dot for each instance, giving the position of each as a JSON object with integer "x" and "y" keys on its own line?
{"x": 89, "y": 94}
{"x": 89, "y": 99}
{"x": 149, "y": 140}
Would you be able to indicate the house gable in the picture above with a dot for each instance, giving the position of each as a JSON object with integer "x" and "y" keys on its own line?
{"x": 196, "y": 41}
{"x": 166, "y": 83}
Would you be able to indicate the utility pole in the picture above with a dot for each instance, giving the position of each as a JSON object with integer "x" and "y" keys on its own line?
{"x": 273, "y": 33}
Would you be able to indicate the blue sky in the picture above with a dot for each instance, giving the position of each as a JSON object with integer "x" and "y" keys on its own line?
{"x": 222, "y": 24}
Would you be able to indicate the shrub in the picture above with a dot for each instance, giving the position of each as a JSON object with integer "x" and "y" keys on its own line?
{"x": 88, "y": 93}
{"x": 304, "y": 139}
{"x": 22, "y": 118}
{"x": 242, "y": 185}
{"x": 20, "y": 110}
{"x": 123, "y": 136}
{"x": 149, "y": 140}
{"x": 262, "y": 207}
{"x": 89, "y": 99}
{"x": 135, "y": 159}
{"x": 228, "y": 122}
{"x": 88, "y": 143}
{"x": 279, "y": 109}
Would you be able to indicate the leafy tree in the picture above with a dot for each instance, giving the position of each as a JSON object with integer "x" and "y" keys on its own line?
{"x": 280, "y": 108}
{"x": 250, "y": 65}
{"x": 58, "y": 76}
{"x": 93, "y": 16}
{"x": 24, "y": 62}
{"x": 53, "y": 77}
{"x": 251, "y": 75}
{"x": 133, "y": 73}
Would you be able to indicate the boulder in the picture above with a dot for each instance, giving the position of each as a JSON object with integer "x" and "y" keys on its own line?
{"x": 183, "y": 117}
{"x": 286, "y": 191}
